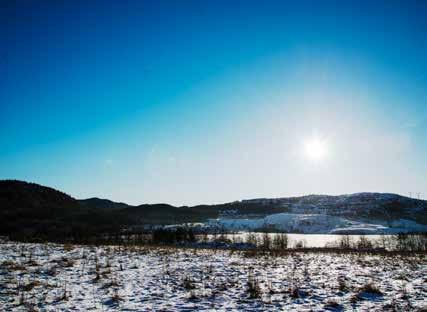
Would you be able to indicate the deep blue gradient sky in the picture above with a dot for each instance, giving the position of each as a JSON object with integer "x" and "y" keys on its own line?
{"x": 191, "y": 102}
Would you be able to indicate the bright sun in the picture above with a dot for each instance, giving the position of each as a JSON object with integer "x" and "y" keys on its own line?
{"x": 315, "y": 149}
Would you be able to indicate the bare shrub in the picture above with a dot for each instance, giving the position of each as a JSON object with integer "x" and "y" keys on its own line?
{"x": 116, "y": 298}
{"x": 187, "y": 283}
{"x": 296, "y": 292}
{"x": 410, "y": 242}
{"x": 266, "y": 241}
{"x": 63, "y": 296}
{"x": 68, "y": 247}
{"x": 52, "y": 271}
{"x": 13, "y": 266}
{"x": 299, "y": 244}
{"x": 251, "y": 239}
{"x": 342, "y": 284}
{"x": 371, "y": 288}
{"x": 345, "y": 242}
{"x": 253, "y": 287}
{"x": 65, "y": 262}
{"x": 364, "y": 243}
{"x": 193, "y": 295}
{"x": 31, "y": 285}
{"x": 7, "y": 263}
{"x": 332, "y": 304}
{"x": 280, "y": 241}
{"x": 21, "y": 300}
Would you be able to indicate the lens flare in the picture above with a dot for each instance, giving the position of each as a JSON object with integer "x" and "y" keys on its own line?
{"x": 315, "y": 149}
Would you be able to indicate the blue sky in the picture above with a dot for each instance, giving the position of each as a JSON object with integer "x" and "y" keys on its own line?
{"x": 192, "y": 102}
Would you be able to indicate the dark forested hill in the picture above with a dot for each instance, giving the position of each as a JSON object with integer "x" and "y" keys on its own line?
{"x": 29, "y": 200}
{"x": 31, "y": 210}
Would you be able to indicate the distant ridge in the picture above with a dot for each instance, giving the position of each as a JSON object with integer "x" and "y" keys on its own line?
{"x": 100, "y": 203}
{"x": 32, "y": 209}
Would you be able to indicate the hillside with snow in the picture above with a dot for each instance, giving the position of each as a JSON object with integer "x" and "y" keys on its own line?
{"x": 361, "y": 213}
{"x": 314, "y": 224}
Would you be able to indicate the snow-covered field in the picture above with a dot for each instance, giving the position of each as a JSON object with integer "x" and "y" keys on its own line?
{"x": 50, "y": 277}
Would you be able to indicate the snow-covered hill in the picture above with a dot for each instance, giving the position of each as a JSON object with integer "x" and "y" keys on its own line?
{"x": 314, "y": 224}
{"x": 386, "y": 206}
{"x": 354, "y": 213}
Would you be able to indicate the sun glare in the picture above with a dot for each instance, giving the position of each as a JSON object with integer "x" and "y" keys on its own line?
{"x": 315, "y": 149}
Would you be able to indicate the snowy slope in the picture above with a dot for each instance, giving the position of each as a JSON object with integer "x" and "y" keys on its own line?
{"x": 314, "y": 224}
{"x": 360, "y": 213}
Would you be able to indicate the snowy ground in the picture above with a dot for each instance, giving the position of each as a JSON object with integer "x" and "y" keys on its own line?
{"x": 51, "y": 277}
